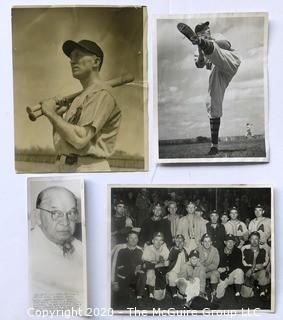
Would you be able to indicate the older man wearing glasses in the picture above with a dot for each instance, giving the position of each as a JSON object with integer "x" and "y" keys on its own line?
{"x": 56, "y": 256}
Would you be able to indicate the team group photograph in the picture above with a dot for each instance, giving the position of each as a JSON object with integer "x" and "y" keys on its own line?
{"x": 191, "y": 248}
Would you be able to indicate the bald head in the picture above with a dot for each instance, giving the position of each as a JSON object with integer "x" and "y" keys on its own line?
{"x": 57, "y": 208}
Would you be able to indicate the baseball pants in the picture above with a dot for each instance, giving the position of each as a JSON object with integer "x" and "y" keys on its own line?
{"x": 235, "y": 277}
{"x": 226, "y": 64}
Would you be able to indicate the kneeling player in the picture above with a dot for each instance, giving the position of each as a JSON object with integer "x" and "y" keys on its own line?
{"x": 230, "y": 268}
{"x": 155, "y": 258}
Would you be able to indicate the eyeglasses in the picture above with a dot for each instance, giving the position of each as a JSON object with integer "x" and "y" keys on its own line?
{"x": 58, "y": 214}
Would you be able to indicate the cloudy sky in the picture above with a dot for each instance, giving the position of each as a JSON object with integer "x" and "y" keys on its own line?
{"x": 41, "y": 70}
{"x": 182, "y": 88}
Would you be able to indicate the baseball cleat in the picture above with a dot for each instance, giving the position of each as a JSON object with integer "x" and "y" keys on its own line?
{"x": 213, "y": 151}
{"x": 187, "y": 32}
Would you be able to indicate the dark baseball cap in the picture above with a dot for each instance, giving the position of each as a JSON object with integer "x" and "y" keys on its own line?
{"x": 87, "y": 45}
{"x": 229, "y": 237}
{"x": 202, "y": 26}
{"x": 206, "y": 235}
{"x": 158, "y": 234}
{"x": 194, "y": 253}
{"x": 259, "y": 206}
{"x": 214, "y": 212}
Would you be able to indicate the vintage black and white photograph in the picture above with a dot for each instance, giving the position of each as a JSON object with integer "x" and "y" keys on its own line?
{"x": 192, "y": 248}
{"x": 80, "y": 88}
{"x": 57, "y": 244}
{"x": 211, "y": 88}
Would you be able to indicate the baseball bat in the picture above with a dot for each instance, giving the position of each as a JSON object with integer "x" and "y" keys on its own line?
{"x": 36, "y": 111}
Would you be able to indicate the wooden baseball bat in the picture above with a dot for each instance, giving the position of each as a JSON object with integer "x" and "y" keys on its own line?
{"x": 36, "y": 111}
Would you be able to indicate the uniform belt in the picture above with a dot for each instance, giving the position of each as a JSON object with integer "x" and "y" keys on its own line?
{"x": 72, "y": 159}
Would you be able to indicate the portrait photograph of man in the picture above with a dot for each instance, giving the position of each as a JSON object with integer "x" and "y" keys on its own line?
{"x": 211, "y": 87}
{"x": 183, "y": 256}
{"x": 57, "y": 256}
{"x": 80, "y": 89}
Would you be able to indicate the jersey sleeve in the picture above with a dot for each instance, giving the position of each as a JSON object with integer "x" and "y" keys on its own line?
{"x": 97, "y": 110}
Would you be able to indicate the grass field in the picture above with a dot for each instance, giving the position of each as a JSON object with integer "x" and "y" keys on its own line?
{"x": 254, "y": 148}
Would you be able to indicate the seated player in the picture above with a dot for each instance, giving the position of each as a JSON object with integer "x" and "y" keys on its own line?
{"x": 216, "y": 230}
{"x": 261, "y": 224}
{"x": 237, "y": 228}
{"x": 177, "y": 258}
{"x": 230, "y": 268}
{"x": 209, "y": 258}
{"x": 255, "y": 261}
{"x": 155, "y": 224}
{"x": 155, "y": 263}
{"x": 129, "y": 273}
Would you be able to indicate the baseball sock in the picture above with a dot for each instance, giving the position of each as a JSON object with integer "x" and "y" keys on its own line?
{"x": 151, "y": 290}
{"x": 173, "y": 291}
{"x": 238, "y": 287}
{"x": 214, "y": 129}
{"x": 206, "y": 46}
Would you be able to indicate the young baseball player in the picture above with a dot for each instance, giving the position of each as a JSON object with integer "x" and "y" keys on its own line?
{"x": 209, "y": 258}
{"x": 230, "y": 268}
{"x": 86, "y": 135}
{"x": 261, "y": 224}
{"x": 237, "y": 228}
{"x": 216, "y": 230}
{"x": 129, "y": 273}
{"x": 192, "y": 227}
{"x": 216, "y": 54}
{"x": 155, "y": 258}
{"x": 255, "y": 261}
{"x": 178, "y": 257}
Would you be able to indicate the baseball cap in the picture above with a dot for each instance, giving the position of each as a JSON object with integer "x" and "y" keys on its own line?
{"x": 259, "y": 206}
{"x": 88, "y": 45}
{"x": 194, "y": 253}
{"x": 234, "y": 208}
{"x": 229, "y": 237}
{"x": 180, "y": 236}
{"x": 206, "y": 235}
{"x": 120, "y": 201}
{"x": 213, "y": 212}
{"x": 202, "y": 26}
{"x": 158, "y": 234}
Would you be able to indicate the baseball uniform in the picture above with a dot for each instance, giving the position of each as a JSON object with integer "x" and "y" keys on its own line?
{"x": 263, "y": 227}
{"x": 95, "y": 107}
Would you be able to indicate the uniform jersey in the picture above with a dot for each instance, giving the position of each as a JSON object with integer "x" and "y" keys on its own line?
{"x": 237, "y": 228}
{"x": 263, "y": 226}
{"x": 153, "y": 255}
{"x": 95, "y": 107}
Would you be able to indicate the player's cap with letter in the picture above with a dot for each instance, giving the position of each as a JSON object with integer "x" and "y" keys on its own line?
{"x": 202, "y": 26}
{"x": 86, "y": 45}
{"x": 206, "y": 235}
{"x": 158, "y": 234}
{"x": 229, "y": 237}
{"x": 194, "y": 253}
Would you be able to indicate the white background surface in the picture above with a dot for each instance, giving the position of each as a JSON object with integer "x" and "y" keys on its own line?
{"x": 13, "y": 235}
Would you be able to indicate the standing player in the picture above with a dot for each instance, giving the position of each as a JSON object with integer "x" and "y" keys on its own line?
{"x": 86, "y": 135}
{"x": 214, "y": 53}
{"x": 261, "y": 224}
